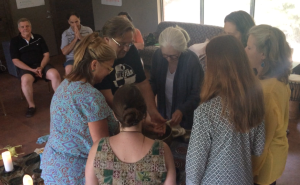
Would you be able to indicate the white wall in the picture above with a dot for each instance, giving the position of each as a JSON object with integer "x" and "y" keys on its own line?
{"x": 143, "y": 12}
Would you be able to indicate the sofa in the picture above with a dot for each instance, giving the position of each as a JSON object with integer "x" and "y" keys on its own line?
{"x": 198, "y": 34}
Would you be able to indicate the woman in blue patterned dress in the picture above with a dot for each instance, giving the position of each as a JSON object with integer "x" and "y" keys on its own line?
{"x": 79, "y": 114}
{"x": 228, "y": 124}
{"x": 129, "y": 157}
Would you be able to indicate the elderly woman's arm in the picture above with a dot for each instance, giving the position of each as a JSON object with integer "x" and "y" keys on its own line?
{"x": 193, "y": 99}
{"x": 153, "y": 71}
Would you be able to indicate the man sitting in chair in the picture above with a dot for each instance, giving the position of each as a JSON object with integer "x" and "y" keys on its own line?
{"x": 30, "y": 54}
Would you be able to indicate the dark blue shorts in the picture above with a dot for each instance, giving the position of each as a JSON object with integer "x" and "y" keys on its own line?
{"x": 68, "y": 62}
{"x": 21, "y": 72}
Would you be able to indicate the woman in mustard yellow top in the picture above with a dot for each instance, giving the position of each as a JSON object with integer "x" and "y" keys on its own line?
{"x": 270, "y": 56}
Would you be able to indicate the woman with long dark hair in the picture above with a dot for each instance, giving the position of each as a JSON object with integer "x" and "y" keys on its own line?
{"x": 238, "y": 24}
{"x": 228, "y": 124}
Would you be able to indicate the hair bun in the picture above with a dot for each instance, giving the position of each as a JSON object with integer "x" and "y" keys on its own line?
{"x": 132, "y": 116}
{"x": 129, "y": 106}
{"x": 184, "y": 32}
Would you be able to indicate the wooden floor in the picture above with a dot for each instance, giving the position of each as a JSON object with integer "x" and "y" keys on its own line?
{"x": 16, "y": 129}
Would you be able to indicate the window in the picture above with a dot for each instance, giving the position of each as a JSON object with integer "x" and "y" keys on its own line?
{"x": 283, "y": 15}
{"x": 182, "y": 10}
{"x": 215, "y": 11}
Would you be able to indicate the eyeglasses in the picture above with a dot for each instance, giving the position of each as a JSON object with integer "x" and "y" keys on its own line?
{"x": 122, "y": 45}
{"x": 110, "y": 69}
{"x": 172, "y": 57}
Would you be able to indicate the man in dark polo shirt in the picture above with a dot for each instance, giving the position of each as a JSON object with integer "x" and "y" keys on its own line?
{"x": 30, "y": 54}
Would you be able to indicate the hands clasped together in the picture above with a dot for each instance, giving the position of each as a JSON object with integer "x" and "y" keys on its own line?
{"x": 38, "y": 71}
{"x": 77, "y": 33}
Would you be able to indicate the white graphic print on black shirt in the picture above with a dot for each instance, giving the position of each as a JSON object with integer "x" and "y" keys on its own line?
{"x": 124, "y": 75}
{"x": 127, "y": 70}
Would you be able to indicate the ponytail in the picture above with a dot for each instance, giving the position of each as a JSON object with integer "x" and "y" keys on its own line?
{"x": 92, "y": 47}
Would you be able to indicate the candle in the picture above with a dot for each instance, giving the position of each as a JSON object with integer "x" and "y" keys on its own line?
{"x": 8, "y": 165}
{"x": 27, "y": 180}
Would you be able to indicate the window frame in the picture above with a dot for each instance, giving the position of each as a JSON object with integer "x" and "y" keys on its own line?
{"x": 202, "y": 4}
{"x": 202, "y": 8}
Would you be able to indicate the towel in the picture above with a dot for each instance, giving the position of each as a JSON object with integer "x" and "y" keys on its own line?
{"x": 42, "y": 139}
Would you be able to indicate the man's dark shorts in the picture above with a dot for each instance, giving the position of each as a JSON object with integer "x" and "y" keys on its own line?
{"x": 69, "y": 62}
{"x": 21, "y": 72}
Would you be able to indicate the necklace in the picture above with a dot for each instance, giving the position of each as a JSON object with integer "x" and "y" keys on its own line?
{"x": 134, "y": 131}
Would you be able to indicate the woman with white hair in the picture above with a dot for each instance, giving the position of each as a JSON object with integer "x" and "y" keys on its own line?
{"x": 270, "y": 55}
{"x": 176, "y": 77}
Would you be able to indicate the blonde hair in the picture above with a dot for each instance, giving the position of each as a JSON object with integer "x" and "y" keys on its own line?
{"x": 228, "y": 75}
{"x": 272, "y": 43}
{"x": 24, "y": 20}
{"x": 92, "y": 47}
{"x": 176, "y": 37}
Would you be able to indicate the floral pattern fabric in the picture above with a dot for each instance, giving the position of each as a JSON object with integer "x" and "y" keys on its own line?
{"x": 110, "y": 170}
{"x": 73, "y": 105}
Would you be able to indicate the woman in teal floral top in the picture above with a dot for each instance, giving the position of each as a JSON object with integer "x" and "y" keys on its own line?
{"x": 80, "y": 115}
{"x": 130, "y": 157}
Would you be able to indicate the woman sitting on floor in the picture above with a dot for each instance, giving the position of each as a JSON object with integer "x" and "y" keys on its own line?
{"x": 270, "y": 56}
{"x": 130, "y": 157}
{"x": 176, "y": 77}
{"x": 228, "y": 124}
{"x": 80, "y": 115}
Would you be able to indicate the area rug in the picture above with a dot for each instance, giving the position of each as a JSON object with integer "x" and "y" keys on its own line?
{"x": 179, "y": 151}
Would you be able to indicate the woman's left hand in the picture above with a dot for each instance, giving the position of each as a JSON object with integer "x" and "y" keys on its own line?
{"x": 176, "y": 118}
